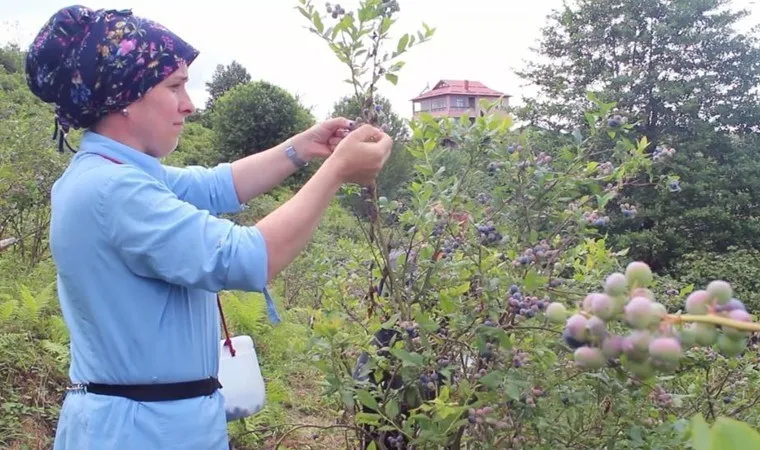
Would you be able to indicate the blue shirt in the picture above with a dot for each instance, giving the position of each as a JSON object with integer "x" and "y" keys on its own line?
{"x": 140, "y": 254}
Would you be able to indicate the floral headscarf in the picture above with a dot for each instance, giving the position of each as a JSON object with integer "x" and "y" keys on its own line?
{"x": 89, "y": 63}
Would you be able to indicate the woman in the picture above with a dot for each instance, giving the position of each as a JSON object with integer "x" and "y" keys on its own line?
{"x": 138, "y": 248}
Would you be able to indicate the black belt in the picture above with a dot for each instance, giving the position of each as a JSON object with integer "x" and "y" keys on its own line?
{"x": 156, "y": 392}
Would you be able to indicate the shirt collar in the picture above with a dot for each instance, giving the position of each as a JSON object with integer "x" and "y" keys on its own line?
{"x": 95, "y": 143}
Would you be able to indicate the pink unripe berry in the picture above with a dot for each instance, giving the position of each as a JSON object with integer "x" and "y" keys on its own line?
{"x": 666, "y": 349}
{"x": 616, "y": 284}
{"x": 638, "y": 274}
{"x": 720, "y": 290}
{"x": 696, "y": 302}
{"x": 642, "y": 292}
{"x": 576, "y": 327}
{"x": 658, "y": 312}
{"x": 741, "y": 316}
{"x": 636, "y": 345}
{"x": 596, "y": 327}
{"x": 589, "y": 358}
{"x": 602, "y": 306}
{"x": 638, "y": 312}
{"x": 587, "y": 301}
{"x": 612, "y": 346}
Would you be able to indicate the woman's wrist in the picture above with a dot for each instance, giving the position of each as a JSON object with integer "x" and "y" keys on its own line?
{"x": 299, "y": 142}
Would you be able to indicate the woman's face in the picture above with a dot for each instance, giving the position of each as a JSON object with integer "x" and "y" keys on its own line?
{"x": 159, "y": 116}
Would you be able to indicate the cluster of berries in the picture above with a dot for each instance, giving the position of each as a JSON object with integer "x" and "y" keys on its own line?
{"x": 628, "y": 210}
{"x": 595, "y": 219}
{"x": 540, "y": 253}
{"x": 662, "y": 152}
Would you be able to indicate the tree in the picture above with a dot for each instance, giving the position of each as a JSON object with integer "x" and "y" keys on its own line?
{"x": 224, "y": 79}
{"x": 668, "y": 63}
{"x": 684, "y": 78}
{"x": 12, "y": 58}
{"x": 256, "y": 116}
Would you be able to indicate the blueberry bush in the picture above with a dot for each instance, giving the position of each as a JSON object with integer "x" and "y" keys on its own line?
{"x": 464, "y": 319}
{"x": 494, "y": 292}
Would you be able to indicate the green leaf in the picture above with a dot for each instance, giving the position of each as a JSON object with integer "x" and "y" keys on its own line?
{"x": 386, "y": 25}
{"x": 392, "y": 77}
{"x": 447, "y": 304}
{"x": 367, "y": 418}
{"x": 367, "y": 400}
{"x": 391, "y": 408}
{"x": 348, "y": 399}
{"x": 372, "y": 446}
{"x": 493, "y": 379}
{"x": 531, "y": 281}
{"x": 408, "y": 359}
{"x": 402, "y": 43}
{"x": 318, "y": 23}
{"x": 303, "y": 12}
{"x": 731, "y": 434}
{"x": 391, "y": 321}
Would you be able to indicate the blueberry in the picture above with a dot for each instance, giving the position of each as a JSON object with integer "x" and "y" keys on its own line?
{"x": 514, "y": 289}
{"x": 570, "y": 341}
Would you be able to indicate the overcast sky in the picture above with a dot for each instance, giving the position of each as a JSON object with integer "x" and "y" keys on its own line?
{"x": 483, "y": 40}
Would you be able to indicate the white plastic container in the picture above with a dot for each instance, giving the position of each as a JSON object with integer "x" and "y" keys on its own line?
{"x": 240, "y": 376}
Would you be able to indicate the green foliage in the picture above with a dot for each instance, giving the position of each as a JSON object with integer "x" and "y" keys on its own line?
{"x": 738, "y": 266}
{"x": 256, "y": 116}
{"x": 682, "y": 76}
{"x": 669, "y": 64}
{"x": 225, "y": 78}
{"x": 463, "y": 211}
{"x": 28, "y": 168}
{"x": 12, "y": 59}
{"x": 491, "y": 209}
{"x": 725, "y": 434}
{"x": 717, "y": 181}
{"x": 196, "y": 147}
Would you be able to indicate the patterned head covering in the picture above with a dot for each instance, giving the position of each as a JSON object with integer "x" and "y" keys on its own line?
{"x": 89, "y": 63}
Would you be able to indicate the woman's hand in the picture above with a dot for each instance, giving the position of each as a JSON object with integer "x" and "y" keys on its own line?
{"x": 360, "y": 156}
{"x": 320, "y": 140}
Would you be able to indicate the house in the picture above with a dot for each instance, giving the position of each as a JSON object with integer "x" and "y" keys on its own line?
{"x": 453, "y": 98}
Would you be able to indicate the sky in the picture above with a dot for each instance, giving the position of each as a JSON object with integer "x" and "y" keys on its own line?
{"x": 479, "y": 40}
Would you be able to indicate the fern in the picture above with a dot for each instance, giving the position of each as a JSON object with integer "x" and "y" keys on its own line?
{"x": 7, "y": 309}
{"x": 57, "y": 328}
{"x": 60, "y": 352}
{"x": 32, "y": 306}
{"x": 246, "y": 313}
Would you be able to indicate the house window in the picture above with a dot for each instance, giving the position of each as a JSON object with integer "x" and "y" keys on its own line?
{"x": 438, "y": 104}
{"x": 459, "y": 102}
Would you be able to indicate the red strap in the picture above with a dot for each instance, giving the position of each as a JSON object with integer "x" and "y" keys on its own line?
{"x": 227, "y": 341}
